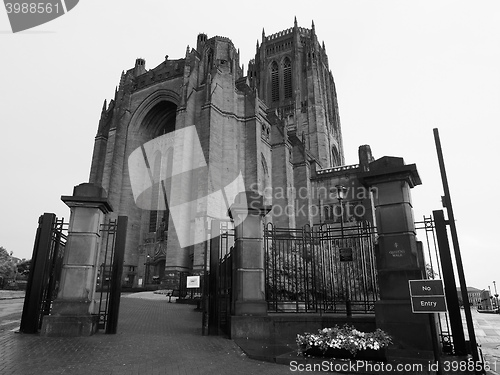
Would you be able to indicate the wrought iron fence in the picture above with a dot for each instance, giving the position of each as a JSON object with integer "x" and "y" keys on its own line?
{"x": 113, "y": 234}
{"x": 433, "y": 271}
{"x": 45, "y": 273}
{"x": 217, "y": 301}
{"x": 328, "y": 268}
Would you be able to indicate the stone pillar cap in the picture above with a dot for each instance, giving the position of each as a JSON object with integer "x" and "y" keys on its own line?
{"x": 88, "y": 189}
{"x": 88, "y": 195}
{"x": 250, "y": 201}
{"x": 390, "y": 168}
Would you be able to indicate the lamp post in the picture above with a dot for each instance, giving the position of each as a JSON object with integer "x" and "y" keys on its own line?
{"x": 496, "y": 293}
{"x": 341, "y": 195}
{"x": 490, "y": 297}
{"x": 146, "y": 274}
{"x": 15, "y": 266}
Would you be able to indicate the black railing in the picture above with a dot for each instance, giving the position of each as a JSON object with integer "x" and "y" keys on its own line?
{"x": 217, "y": 292}
{"x": 43, "y": 281}
{"x": 434, "y": 271}
{"x": 324, "y": 269}
{"x": 113, "y": 234}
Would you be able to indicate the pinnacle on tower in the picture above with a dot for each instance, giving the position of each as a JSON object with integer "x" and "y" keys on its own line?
{"x": 295, "y": 21}
{"x": 105, "y": 106}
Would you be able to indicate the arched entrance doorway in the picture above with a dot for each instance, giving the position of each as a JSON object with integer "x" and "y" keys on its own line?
{"x": 155, "y": 119}
{"x": 159, "y": 121}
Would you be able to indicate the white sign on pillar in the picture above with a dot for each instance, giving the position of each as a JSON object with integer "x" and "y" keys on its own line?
{"x": 193, "y": 282}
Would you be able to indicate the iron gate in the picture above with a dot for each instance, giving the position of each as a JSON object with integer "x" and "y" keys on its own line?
{"x": 326, "y": 268}
{"x": 109, "y": 279}
{"x": 433, "y": 271}
{"x": 45, "y": 271}
{"x": 217, "y": 298}
{"x": 440, "y": 265}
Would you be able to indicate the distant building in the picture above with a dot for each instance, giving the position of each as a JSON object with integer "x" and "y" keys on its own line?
{"x": 486, "y": 300}
{"x": 478, "y": 298}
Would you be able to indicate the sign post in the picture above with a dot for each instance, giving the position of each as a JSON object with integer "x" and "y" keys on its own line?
{"x": 193, "y": 282}
{"x": 427, "y": 296}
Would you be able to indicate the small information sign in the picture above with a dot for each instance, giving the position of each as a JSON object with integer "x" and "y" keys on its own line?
{"x": 346, "y": 254}
{"x": 193, "y": 282}
{"x": 426, "y": 288}
{"x": 427, "y": 296}
{"x": 428, "y": 304}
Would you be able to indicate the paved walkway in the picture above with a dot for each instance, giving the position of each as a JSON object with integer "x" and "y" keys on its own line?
{"x": 487, "y": 329}
{"x": 154, "y": 337}
{"x": 11, "y": 294}
{"x": 157, "y": 337}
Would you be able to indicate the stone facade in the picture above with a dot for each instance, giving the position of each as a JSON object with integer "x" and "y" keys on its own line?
{"x": 277, "y": 125}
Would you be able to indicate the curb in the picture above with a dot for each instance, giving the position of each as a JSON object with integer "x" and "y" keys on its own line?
{"x": 2, "y": 298}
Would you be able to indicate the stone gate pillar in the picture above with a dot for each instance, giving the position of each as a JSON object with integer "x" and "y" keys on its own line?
{"x": 72, "y": 313}
{"x": 249, "y": 292}
{"x": 398, "y": 259}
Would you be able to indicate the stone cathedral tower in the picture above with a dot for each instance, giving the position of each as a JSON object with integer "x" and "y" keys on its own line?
{"x": 290, "y": 73}
{"x": 276, "y": 126}
{"x": 292, "y": 76}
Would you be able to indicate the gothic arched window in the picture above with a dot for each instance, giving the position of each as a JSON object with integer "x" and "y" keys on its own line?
{"x": 335, "y": 157}
{"x": 155, "y": 191}
{"x": 159, "y": 213}
{"x": 287, "y": 77}
{"x": 275, "y": 82}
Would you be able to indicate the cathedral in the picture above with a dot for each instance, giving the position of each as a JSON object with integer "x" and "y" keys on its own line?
{"x": 277, "y": 126}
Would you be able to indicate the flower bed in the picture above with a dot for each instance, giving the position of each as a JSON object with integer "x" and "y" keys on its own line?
{"x": 345, "y": 342}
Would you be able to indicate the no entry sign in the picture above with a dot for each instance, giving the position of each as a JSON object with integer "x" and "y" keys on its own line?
{"x": 427, "y": 296}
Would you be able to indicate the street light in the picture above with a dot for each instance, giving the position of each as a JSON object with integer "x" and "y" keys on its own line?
{"x": 340, "y": 196}
{"x": 496, "y": 293}
{"x": 15, "y": 266}
{"x": 147, "y": 271}
{"x": 492, "y": 303}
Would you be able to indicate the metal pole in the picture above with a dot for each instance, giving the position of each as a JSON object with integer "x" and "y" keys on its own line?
{"x": 116, "y": 278}
{"x": 204, "y": 298}
{"x": 456, "y": 248}
{"x": 340, "y": 195}
{"x": 490, "y": 297}
{"x": 450, "y": 286}
{"x": 146, "y": 273}
{"x": 496, "y": 293}
{"x": 213, "y": 301}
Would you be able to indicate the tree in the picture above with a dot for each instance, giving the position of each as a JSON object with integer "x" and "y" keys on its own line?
{"x": 431, "y": 273}
{"x": 7, "y": 267}
{"x": 24, "y": 267}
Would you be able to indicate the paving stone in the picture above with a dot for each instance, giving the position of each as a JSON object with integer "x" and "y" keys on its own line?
{"x": 157, "y": 337}
{"x": 154, "y": 337}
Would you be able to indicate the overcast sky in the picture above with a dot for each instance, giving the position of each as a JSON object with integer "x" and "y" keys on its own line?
{"x": 401, "y": 69}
